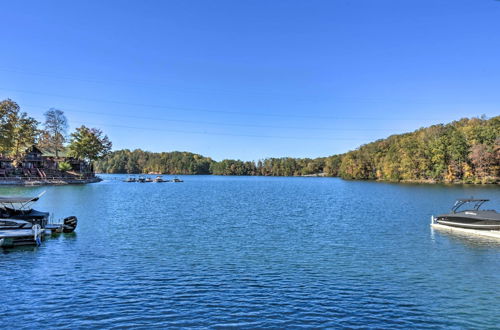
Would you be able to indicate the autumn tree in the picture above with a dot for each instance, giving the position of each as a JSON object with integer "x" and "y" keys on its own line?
{"x": 17, "y": 130}
{"x": 54, "y": 133}
{"x": 483, "y": 158}
{"x": 467, "y": 150}
{"x": 8, "y": 110}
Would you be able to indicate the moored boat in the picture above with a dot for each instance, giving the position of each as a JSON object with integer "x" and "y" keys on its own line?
{"x": 20, "y": 224}
{"x": 6, "y": 224}
{"x": 159, "y": 179}
{"x": 471, "y": 218}
{"x": 20, "y": 208}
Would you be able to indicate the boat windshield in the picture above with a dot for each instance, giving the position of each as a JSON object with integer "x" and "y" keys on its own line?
{"x": 476, "y": 202}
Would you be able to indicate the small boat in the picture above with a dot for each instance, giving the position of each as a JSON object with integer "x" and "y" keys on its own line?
{"x": 472, "y": 218}
{"x": 142, "y": 179}
{"x": 19, "y": 208}
{"x": 159, "y": 179}
{"x": 130, "y": 179}
{"x": 20, "y": 224}
{"x": 176, "y": 180}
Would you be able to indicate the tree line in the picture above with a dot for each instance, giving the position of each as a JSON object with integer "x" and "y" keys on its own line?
{"x": 19, "y": 131}
{"x": 467, "y": 150}
{"x": 139, "y": 161}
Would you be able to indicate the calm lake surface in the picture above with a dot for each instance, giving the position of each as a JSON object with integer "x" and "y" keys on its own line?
{"x": 252, "y": 252}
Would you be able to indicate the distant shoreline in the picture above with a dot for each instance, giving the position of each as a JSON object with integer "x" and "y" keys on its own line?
{"x": 463, "y": 151}
{"x": 322, "y": 175}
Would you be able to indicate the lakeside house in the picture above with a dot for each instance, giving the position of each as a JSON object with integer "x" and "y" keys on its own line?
{"x": 42, "y": 164}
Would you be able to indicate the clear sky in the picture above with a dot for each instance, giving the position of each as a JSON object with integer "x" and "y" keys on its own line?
{"x": 251, "y": 79}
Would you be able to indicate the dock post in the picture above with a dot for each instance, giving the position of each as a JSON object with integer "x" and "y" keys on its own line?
{"x": 37, "y": 232}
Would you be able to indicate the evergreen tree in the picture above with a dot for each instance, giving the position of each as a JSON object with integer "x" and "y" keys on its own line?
{"x": 89, "y": 144}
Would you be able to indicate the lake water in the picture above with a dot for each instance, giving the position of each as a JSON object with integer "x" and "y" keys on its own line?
{"x": 252, "y": 252}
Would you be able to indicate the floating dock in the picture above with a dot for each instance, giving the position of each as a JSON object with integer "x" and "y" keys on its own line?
{"x": 20, "y": 237}
{"x": 32, "y": 236}
{"x": 495, "y": 234}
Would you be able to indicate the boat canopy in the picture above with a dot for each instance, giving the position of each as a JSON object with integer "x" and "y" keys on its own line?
{"x": 13, "y": 199}
{"x": 462, "y": 201}
{"x": 18, "y": 202}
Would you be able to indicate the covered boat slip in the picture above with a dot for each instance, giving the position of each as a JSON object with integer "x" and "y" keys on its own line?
{"x": 19, "y": 203}
{"x": 21, "y": 225}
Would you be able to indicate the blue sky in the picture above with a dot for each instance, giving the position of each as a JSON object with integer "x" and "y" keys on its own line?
{"x": 251, "y": 79}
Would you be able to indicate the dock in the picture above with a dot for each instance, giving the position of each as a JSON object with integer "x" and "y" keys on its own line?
{"x": 495, "y": 234}
{"x": 21, "y": 225}
{"x": 20, "y": 237}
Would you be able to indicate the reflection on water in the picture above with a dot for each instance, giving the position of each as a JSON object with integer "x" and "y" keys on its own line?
{"x": 470, "y": 240}
{"x": 19, "y": 249}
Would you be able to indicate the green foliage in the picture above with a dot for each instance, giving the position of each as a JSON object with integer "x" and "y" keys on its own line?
{"x": 17, "y": 130}
{"x": 233, "y": 167}
{"x": 462, "y": 151}
{"x": 467, "y": 151}
{"x": 139, "y": 161}
{"x": 64, "y": 166}
{"x": 89, "y": 144}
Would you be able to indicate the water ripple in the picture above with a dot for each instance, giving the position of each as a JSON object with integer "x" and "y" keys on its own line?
{"x": 252, "y": 253}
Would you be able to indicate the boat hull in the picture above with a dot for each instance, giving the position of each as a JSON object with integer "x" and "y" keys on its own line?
{"x": 471, "y": 219}
{"x": 476, "y": 225}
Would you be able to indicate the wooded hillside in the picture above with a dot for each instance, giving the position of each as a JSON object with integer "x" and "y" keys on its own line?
{"x": 467, "y": 151}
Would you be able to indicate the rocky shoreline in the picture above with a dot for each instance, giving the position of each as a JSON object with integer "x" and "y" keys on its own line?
{"x": 18, "y": 181}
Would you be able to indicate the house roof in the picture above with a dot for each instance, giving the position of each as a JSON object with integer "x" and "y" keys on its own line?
{"x": 48, "y": 153}
{"x": 33, "y": 149}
